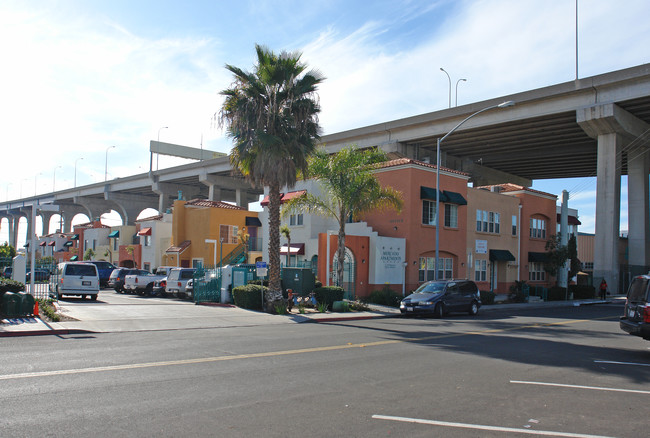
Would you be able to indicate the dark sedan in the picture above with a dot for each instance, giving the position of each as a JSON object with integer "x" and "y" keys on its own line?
{"x": 438, "y": 298}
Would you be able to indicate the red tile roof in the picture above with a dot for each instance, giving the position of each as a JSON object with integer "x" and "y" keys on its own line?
{"x": 284, "y": 197}
{"x": 180, "y": 248}
{"x": 212, "y": 204}
{"x": 404, "y": 161}
{"x": 509, "y": 187}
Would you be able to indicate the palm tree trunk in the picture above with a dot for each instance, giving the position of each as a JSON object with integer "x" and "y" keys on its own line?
{"x": 340, "y": 254}
{"x": 274, "y": 292}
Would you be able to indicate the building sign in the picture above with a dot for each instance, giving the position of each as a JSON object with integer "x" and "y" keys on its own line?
{"x": 481, "y": 247}
{"x": 388, "y": 266}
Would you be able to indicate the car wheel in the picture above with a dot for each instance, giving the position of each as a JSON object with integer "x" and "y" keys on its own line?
{"x": 439, "y": 311}
{"x": 83, "y": 297}
{"x": 93, "y": 297}
{"x": 149, "y": 290}
{"x": 473, "y": 309}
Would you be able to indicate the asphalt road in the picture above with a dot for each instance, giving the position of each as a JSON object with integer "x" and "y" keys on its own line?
{"x": 563, "y": 372}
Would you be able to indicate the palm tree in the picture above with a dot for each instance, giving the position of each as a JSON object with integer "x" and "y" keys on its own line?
{"x": 271, "y": 114}
{"x": 350, "y": 189}
{"x": 286, "y": 232}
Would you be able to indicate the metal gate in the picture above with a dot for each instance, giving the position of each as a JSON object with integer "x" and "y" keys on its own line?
{"x": 207, "y": 285}
{"x": 349, "y": 275}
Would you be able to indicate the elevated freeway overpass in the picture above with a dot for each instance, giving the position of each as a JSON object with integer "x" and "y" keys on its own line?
{"x": 596, "y": 126}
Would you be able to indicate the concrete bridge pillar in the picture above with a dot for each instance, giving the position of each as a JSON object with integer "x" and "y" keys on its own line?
{"x": 615, "y": 128}
{"x": 638, "y": 166}
{"x": 45, "y": 216}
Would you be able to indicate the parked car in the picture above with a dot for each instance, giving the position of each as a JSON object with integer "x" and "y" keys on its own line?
{"x": 75, "y": 278}
{"x": 440, "y": 297}
{"x": 636, "y": 316}
{"x": 116, "y": 279}
{"x": 105, "y": 270}
{"x": 141, "y": 281}
{"x": 6, "y": 272}
{"x": 39, "y": 275}
{"x": 177, "y": 281}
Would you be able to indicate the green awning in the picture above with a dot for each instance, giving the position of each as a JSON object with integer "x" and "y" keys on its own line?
{"x": 69, "y": 243}
{"x": 75, "y": 237}
{"x": 430, "y": 193}
{"x": 114, "y": 234}
{"x": 454, "y": 198}
{"x": 74, "y": 258}
{"x": 537, "y": 257}
{"x": 501, "y": 255}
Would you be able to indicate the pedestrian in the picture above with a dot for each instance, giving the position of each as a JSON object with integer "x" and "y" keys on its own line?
{"x": 603, "y": 289}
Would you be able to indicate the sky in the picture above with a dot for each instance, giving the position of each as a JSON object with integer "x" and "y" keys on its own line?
{"x": 82, "y": 76}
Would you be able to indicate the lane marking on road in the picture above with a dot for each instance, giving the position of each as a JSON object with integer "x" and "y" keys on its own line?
{"x": 613, "y": 362}
{"x": 485, "y": 427}
{"x": 596, "y": 388}
{"x": 271, "y": 353}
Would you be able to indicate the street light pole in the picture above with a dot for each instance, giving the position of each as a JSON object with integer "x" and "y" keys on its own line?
{"x": 448, "y": 77}
{"x": 106, "y": 163}
{"x": 464, "y": 80}
{"x": 54, "y": 178}
{"x": 440, "y": 140}
{"x": 75, "y": 170}
{"x": 41, "y": 173}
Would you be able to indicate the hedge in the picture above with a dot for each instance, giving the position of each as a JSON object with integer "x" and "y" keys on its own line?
{"x": 385, "y": 297}
{"x": 487, "y": 297}
{"x": 328, "y": 294}
{"x": 581, "y": 292}
{"x": 8, "y": 285}
{"x": 249, "y": 296}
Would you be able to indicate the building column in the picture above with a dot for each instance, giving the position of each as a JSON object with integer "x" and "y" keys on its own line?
{"x": 608, "y": 208}
{"x": 45, "y": 216}
{"x": 214, "y": 193}
{"x": 638, "y": 166}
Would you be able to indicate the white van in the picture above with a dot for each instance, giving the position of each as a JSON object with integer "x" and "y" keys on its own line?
{"x": 75, "y": 278}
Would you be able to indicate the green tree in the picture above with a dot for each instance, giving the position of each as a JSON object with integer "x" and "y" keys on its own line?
{"x": 286, "y": 232}
{"x": 572, "y": 253}
{"x": 271, "y": 114}
{"x": 7, "y": 250}
{"x": 89, "y": 254}
{"x": 350, "y": 189}
{"x": 556, "y": 255}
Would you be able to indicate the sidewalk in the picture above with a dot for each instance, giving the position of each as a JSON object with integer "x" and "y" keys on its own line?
{"x": 189, "y": 316}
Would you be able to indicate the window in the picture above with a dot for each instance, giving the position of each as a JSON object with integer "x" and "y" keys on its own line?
{"x": 427, "y": 268}
{"x": 116, "y": 244}
{"x": 295, "y": 219}
{"x": 228, "y": 233}
{"x": 451, "y": 215}
{"x": 514, "y": 225}
{"x": 428, "y": 212}
{"x": 536, "y": 271}
{"x": 537, "y": 228}
{"x": 488, "y": 222}
{"x": 147, "y": 267}
{"x": 480, "y": 270}
{"x": 147, "y": 240}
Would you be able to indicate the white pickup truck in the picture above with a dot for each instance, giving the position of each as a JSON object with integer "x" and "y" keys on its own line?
{"x": 142, "y": 282}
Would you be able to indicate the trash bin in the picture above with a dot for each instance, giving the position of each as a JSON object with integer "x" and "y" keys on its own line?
{"x": 27, "y": 306}
{"x": 11, "y": 303}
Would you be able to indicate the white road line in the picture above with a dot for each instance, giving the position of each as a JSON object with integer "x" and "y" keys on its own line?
{"x": 598, "y": 388}
{"x": 623, "y": 363}
{"x": 483, "y": 427}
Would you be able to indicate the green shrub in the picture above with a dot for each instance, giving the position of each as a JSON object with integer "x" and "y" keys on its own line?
{"x": 384, "y": 297}
{"x": 9, "y": 285}
{"x": 582, "y": 292}
{"x": 328, "y": 294}
{"x": 249, "y": 296}
{"x": 517, "y": 294}
{"x": 259, "y": 282}
{"x": 556, "y": 293}
{"x": 487, "y": 297}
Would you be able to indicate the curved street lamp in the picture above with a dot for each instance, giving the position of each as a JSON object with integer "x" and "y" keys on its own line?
{"x": 464, "y": 80}
{"x": 448, "y": 77}
{"x": 75, "y": 170}
{"x": 106, "y": 163}
{"x": 54, "y": 178}
{"x": 440, "y": 140}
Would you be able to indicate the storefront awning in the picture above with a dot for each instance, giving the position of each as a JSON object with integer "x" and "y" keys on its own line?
{"x": 571, "y": 220}
{"x": 145, "y": 232}
{"x": 252, "y": 221}
{"x": 180, "y": 248}
{"x": 114, "y": 234}
{"x": 537, "y": 257}
{"x": 52, "y": 243}
{"x": 42, "y": 243}
{"x": 296, "y": 249}
{"x": 69, "y": 243}
{"x": 444, "y": 196}
{"x": 75, "y": 237}
{"x": 74, "y": 258}
{"x": 501, "y": 255}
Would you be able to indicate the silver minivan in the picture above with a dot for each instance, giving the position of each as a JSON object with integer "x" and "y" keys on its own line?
{"x": 75, "y": 278}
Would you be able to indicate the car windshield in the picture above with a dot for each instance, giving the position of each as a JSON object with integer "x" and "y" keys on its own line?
{"x": 431, "y": 287}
